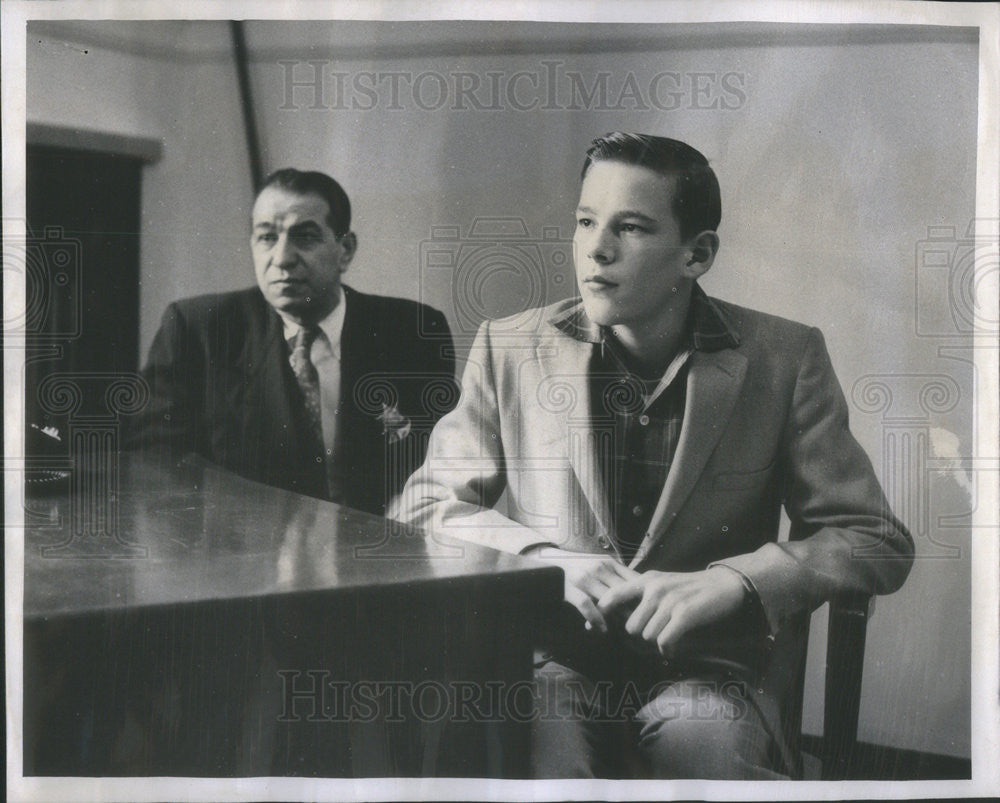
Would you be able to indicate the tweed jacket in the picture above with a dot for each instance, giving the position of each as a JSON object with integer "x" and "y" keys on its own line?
{"x": 765, "y": 426}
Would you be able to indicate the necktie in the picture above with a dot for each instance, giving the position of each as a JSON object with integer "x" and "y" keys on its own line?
{"x": 308, "y": 379}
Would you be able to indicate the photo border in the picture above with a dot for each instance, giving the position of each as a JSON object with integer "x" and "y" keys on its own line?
{"x": 985, "y": 545}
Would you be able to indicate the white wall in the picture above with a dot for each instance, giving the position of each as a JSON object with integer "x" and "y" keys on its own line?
{"x": 841, "y": 149}
{"x": 182, "y": 91}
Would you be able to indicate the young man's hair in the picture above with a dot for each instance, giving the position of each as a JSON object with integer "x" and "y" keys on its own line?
{"x": 311, "y": 182}
{"x": 697, "y": 203}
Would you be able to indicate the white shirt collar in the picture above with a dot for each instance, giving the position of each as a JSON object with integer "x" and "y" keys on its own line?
{"x": 332, "y": 325}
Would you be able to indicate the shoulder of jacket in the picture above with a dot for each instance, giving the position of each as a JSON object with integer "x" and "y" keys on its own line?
{"x": 389, "y": 304}
{"x": 213, "y": 303}
{"x": 539, "y": 322}
{"x": 763, "y": 328}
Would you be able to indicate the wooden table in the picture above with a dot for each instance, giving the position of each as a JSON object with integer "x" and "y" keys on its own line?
{"x": 180, "y": 620}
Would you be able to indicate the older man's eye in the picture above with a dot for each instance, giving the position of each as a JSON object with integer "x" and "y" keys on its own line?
{"x": 266, "y": 237}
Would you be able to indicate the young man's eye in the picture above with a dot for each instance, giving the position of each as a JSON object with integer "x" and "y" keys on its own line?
{"x": 630, "y": 228}
{"x": 584, "y": 222}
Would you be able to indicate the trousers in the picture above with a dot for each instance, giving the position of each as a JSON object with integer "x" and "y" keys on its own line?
{"x": 711, "y": 727}
{"x": 609, "y": 707}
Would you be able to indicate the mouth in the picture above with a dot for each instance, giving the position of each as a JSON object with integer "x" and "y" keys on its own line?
{"x": 598, "y": 283}
{"x": 289, "y": 289}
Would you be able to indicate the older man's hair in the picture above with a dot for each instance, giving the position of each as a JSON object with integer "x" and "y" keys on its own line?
{"x": 697, "y": 202}
{"x": 312, "y": 182}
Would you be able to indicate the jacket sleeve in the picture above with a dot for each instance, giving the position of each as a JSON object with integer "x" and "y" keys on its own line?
{"x": 464, "y": 476}
{"x": 843, "y": 538}
{"x": 171, "y": 421}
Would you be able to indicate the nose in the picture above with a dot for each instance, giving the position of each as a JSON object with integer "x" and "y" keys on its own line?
{"x": 284, "y": 254}
{"x": 601, "y": 247}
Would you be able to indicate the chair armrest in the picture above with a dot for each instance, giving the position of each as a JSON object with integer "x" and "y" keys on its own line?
{"x": 845, "y": 656}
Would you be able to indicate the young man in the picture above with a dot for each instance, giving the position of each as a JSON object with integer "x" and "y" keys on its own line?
{"x": 646, "y": 437}
{"x": 301, "y": 382}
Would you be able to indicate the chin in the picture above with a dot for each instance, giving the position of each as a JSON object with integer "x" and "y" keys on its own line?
{"x": 290, "y": 306}
{"x": 600, "y": 312}
{"x": 283, "y": 303}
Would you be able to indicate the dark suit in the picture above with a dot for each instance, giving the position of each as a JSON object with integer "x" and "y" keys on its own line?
{"x": 221, "y": 386}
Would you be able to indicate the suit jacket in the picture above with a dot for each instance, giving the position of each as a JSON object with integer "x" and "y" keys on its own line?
{"x": 765, "y": 425}
{"x": 221, "y": 386}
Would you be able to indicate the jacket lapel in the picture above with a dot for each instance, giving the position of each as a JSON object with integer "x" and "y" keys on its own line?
{"x": 565, "y": 366}
{"x": 714, "y": 382}
{"x": 358, "y": 356}
{"x": 269, "y": 378}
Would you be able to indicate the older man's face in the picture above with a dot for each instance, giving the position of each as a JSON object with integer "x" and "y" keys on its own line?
{"x": 297, "y": 257}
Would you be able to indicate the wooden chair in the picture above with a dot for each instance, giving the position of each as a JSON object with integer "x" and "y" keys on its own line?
{"x": 845, "y": 653}
{"x": 845, "y": 657}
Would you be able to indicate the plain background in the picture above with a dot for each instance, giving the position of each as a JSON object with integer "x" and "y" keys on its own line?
{"x": 845, "y": 149}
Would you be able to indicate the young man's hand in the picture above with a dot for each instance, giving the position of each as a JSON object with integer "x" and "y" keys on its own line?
{"x": 671, "y": 604}
{"x": 588, "y": 578}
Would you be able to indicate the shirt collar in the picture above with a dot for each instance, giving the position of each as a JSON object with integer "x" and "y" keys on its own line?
{"x": 332, "y": 325}
{"x": 708, "y": 326}
{"x": 711, "y": 328}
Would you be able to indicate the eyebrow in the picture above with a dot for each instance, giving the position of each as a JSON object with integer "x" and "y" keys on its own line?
{"x": 625, "y": 213}
{"x": 305, "y": 225}
{"x": 636, "y": 214}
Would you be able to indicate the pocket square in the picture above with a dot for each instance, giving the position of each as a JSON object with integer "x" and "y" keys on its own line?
{"x": 395, "y": 425}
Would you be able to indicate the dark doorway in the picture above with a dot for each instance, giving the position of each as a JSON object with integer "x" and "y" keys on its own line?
{"x": 82, "y": 273}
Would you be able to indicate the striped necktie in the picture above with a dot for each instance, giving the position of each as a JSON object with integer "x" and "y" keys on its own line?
{"x": 308, "y": 379}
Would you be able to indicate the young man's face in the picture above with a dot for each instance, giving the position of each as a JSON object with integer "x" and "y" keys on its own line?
{"x": 630, "y": 258}
{"x": 297, "y": 257}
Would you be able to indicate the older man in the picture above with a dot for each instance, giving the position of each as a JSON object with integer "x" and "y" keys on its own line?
{"x": 301, "y": 382}
{"x": 645, "y": 438}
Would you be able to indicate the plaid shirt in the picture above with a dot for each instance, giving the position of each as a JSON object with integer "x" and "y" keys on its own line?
{"x": 637, "y": 422}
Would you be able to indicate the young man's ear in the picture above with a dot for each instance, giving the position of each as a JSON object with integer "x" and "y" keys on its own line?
{"x": 703, "y": 247}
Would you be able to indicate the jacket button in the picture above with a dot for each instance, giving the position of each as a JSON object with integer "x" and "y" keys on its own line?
{"x": 604, "y": 541}
{"x": 644, "y": 420}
